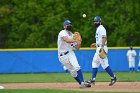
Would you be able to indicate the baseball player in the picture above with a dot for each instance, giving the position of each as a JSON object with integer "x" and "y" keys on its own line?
{"x": 139, "y": 62}
{"x": 66, "y": 55}
{"x": 131, "y": 54}
{"x": 101, "y": 42}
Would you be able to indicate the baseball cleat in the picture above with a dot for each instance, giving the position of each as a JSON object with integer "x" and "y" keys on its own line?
{"x": 85, "y": 85}
{"x": 113, "y": 81}
{"x": 91, "y": 82}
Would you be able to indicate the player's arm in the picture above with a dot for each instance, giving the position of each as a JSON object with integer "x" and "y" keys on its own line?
{"x": 68, "y": 40}
{"x": 103, "y": 40}
{"x": 135, "y": 53}
{"x": 127, "y": 56}
{"x": 78, "y": 44}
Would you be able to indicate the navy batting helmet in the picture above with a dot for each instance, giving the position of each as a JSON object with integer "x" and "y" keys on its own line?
{"x": 66, "y": 22}
{"x": 97, "y": 18}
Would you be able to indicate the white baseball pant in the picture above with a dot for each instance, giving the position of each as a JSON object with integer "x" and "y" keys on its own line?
{"x": 70, "y": 62}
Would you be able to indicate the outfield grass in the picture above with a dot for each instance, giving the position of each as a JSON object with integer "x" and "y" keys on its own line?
{"x": 62, "y": 77}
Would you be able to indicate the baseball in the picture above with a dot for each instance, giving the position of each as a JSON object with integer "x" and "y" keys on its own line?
{"x": 84, "y": 15}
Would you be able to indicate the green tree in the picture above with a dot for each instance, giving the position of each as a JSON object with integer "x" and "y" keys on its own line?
{"x": 36, "y": 23}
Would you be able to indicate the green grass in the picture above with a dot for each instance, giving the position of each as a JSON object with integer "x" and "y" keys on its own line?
{"x": 62, "y": 77}
{"x": 51, "y": 91}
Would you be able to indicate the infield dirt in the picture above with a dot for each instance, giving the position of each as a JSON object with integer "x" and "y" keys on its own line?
{"x": 98, "y": 87}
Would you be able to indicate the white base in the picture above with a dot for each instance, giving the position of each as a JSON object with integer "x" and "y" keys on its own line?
{"x": 1, "y": 87}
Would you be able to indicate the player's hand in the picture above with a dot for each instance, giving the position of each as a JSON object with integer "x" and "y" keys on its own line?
{"x": 93, "y": 45}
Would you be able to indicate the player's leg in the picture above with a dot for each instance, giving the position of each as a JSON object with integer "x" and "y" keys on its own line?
{"x": 105, "y": 65}
{"x": 95, "y": 65}
{"x": 66, "y": 62}
{"x": 130, "y": 66}
{"x": 139, "y": 66}
{"x": 66, "y": 70}
{"x": 74, "y": 63}
{"x": 94, "y": 73}
{"x": 133, "y": 66}
{"x": 110, "y": 72}
{"x": 77, "y": 70}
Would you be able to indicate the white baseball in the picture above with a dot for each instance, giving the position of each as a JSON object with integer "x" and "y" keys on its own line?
{"x": 1, "y": 87}
{"x": 84, "y": 15}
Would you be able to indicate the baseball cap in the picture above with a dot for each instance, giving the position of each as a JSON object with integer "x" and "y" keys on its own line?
{"x": 97, "y": 18}
{"x": 66, "y": 22}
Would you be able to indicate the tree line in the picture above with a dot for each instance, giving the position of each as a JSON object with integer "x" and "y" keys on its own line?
{"x": 36, "y": 23}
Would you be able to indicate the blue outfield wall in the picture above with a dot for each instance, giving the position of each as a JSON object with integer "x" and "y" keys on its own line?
{"x": 38, "y": 60}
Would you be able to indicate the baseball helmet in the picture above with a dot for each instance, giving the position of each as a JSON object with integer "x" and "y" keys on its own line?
{"x": 97, "y": 18}
{"x": 66, "y": 22}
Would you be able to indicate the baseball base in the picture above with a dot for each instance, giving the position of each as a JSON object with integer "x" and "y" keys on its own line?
{"x": 1, "y": 87}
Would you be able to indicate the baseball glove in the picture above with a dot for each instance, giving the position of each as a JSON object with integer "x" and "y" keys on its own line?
{"x": 102, "y": 53}
{"x": 93, "y": 45}
{"x": 77, "y": 37}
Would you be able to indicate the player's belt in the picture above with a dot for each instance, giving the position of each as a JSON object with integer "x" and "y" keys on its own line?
{"x": 65, "y": 53}
{"x": 99, "y": 45}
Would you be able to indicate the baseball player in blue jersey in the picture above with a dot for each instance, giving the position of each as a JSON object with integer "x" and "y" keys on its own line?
{"x": 66, "y": 55}
{"x": 101, "y": 42}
